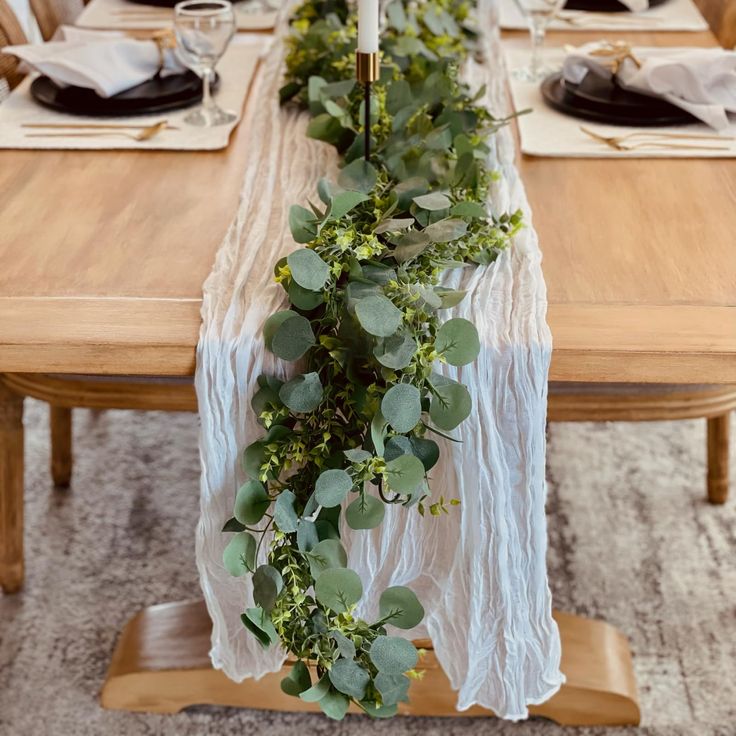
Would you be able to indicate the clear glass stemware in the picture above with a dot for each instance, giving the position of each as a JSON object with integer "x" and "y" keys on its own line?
{"x": 204, "y": 29}
{"x": 538, "y": 14}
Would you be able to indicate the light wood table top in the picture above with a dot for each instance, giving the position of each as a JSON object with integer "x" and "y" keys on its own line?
{"x": 104, "y": 254}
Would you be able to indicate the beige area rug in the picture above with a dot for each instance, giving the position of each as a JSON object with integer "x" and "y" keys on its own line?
{"x": 632, "y": 540}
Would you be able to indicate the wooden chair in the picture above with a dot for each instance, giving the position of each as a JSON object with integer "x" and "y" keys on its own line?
{"x": 721, "y": 16}
{"x": 643, "y": 403}
{"x": 10, "y": 33}
{"x": 50, "y": 14}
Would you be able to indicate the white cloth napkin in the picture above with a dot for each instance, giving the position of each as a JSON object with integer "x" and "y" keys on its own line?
{"x": 107, "y": 62}
{"x": 699, "y": 81}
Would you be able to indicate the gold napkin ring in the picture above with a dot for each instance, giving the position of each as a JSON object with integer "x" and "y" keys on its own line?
{"x": 617, "y": 52}
{"x": 164, "y": 39}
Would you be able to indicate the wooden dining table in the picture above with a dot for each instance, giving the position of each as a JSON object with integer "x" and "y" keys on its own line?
{"x": 104, "y": 255}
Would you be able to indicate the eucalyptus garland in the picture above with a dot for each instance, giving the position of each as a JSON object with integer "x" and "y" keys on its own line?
{"x": 355, "y": 429}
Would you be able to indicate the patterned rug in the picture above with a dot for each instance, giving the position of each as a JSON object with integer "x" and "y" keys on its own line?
{"x": 632, "y": 540}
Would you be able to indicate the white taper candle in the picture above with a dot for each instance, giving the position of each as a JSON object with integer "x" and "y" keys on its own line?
{"x": 368, "y": 26}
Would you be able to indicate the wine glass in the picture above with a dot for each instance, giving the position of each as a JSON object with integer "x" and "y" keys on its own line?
{"x": 538, "y": 15}
{"x": 204, "y": 29}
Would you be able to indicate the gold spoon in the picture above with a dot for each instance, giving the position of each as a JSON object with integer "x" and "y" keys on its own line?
{"x": 96, "y": 126}
{"x": 144, "y": 134}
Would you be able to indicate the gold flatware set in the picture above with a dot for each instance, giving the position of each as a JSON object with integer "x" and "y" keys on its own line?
{"x": 652, "y": 139}
{"x": 96, "y": 130}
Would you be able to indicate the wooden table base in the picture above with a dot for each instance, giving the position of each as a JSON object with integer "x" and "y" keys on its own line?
{"x": 161, "y": 665}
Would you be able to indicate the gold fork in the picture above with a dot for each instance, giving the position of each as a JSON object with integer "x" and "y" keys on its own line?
{"x": 621, "y": 142}
{"x": 97, "y": 126}
{"x": 582, "y": 19}
{"x": 144, "y": 134}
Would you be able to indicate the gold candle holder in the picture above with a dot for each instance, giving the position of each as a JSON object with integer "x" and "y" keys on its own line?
{"x": 367, "y": 67}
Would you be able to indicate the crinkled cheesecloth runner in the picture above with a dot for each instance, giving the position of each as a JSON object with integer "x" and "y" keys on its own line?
{"x": 480, "y": 572}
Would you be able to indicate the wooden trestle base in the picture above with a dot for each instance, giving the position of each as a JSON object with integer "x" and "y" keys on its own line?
{"x": 161, "y": 665}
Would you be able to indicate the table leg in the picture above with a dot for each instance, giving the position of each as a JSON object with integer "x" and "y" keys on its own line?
{"x": 11, "y": 490}
{"x": 161, "y": 665}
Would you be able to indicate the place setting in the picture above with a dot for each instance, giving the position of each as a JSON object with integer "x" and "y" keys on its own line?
{"x": 612, "y": 99}
{"x": 181, "y": 89}
{"x": 250, "y": 15}
{"x": 604, "y": 15}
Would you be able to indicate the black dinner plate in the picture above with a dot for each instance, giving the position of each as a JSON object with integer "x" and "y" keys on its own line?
{"x": 603, "y": 101}
{"x": 159, "y": 94}
{"x": 604, "y": 6}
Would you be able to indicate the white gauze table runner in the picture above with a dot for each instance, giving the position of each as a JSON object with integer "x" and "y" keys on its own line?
{"x": 480, "y": 572}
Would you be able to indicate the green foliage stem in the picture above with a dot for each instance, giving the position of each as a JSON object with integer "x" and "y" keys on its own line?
{"x": 356, "y": 428}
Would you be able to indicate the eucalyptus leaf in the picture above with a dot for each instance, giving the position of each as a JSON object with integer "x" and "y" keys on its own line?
{"x": 382, "y": 711}
{"x": 326, "y": 555}
{"x": 315, "y": 693}
{"x": 303, "y": 393}
{"x": 397, "y": 446}
{"x": 400, "y": 607}
{"x": 411, "y": 245}
{"x": 303, "y": 224}
{"x": 393, "y": 225}
{"x": 332, "y": 487}
{"x": 397, "y": 351}
{"x": 251, "y": 502}
{"x": 402, "y": 407}
{"x": 446, "y": 230}
{"x": 284, "y": 514}
{"x": 297, "y": 681}
{"x": 257, "y": 621}
{"x": 308, "y": 269}
{"x": 303, "y": 298}
{"x": 233, "y": 525}
{"x": 349, "y": 678}
{"x": 359, "y": 176}
{"x": 457, "y": 341}
{"x": 345, "y": 647}
{"x": 393, "y": 655}
{"x": 450, "y": 406}
{"x": 338, "y": 589}
{"x": 449, "y": 297}
{"x": 357, "y": 455}
{"x": 292, "y": 338}
{"x": 469, "y": 209}
{"x": 239, "y": 556}
{"x": 343, "y": 202}
{"x": 404, "y": 473}
{"x": 267, "y": 584}
{"x": 393, "y": 688}
{"x": 307, "y": 537}
{"x": 366, "y": 512}
{"x": 433, "y": 201}
{"x": 427, "y": 451}
{"x": 334, "y": 705}
{"x": 378, "y": 316}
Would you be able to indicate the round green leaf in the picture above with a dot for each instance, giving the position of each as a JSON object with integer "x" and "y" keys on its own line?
{"x": 334, "y": 705}
{"x": 349, "y": 678}
{"x": 433, "y": 201}
{"x": 326, "y": 555}
{"x": 396, "y": 352}
{"x": 393, "y": 688}
{"x": 297, "y": 681}
{"x": 307, "y": 537}
{"x": 401, "y": 406}
{"x": 251, "y": 503}
{"x": 378, "y": 316}
{"x": 383, "y": 711}
{"x": 284, "y": 515}
{"x": 404, "y": 473}
{"x": 457, "y": 340}
{"x": 447, "y": 230}
{"x": 358, "y": 175}
{"x": 345, "y": 646}
{"x": 239, "y": 556}
{"x": 273, "y": 323}
{"x": 257, "y": 621}
{"x": 267, "y": 584}
{"x": 366, "y": 512}
{"x": 303, "y": 393}
{"x": 292, "y": 338}
{"x": 396, "y": 446}
{"x": 332, "y": 486}
{"x": 253, "y": 457}
{"x": 304, "y": 299}
{"x": 317, "y": 691}
{"x": 450, "y": 405}
{"x": 427, "y": 451}
{"x": 393, "y": 655}
{"x": 338, "y": 589}
{"x": 399, "y": 607}
{"x": 308, "y": 269}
